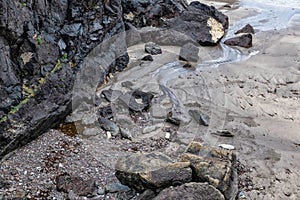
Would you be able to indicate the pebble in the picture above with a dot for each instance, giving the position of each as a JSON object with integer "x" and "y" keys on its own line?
{"x": 226, "y": 146}
{"x": 168, "y": 135}
{"x": 108, "y": 135}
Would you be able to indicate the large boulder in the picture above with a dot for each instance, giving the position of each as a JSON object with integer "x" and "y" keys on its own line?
{"x": 212, "y": 165}
{"x": 152, "y": 171}
{"x": 191, "y": 191}
{"x": 204, "y": 24}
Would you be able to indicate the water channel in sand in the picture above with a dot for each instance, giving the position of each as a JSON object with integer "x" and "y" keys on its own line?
{"x": 180, "y": 89}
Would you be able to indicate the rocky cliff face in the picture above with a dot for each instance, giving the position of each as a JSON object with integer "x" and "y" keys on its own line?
{"x": 43, "y": 44}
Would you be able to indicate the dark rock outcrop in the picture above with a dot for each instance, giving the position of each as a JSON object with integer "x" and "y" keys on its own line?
{"x": 241, "y": 41}
{"x": 202, "y": 23}
{"x": 42, "y": 46}
{"x": 191, "y": 191}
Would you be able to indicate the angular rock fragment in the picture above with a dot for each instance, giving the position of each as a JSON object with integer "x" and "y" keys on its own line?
{"x": 189, "y": 52}
{"x": 191, "y": 191}
{"x": 246, "y": 29}
{"x": 151, "y": 171}
{"x": 241, "y": 41}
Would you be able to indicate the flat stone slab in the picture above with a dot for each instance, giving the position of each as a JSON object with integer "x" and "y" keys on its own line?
{"x": 152, "y": 171}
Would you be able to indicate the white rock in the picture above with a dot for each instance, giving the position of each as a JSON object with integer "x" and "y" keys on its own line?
{"x": 168, "y": 135}
{"x": 226, "y": 146}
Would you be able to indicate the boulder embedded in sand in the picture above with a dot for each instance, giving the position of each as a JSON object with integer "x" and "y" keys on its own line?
{"x": 152, "y": 171}
{"x": 189, "y": 52}
{"x": 241, "y": 41}
{"x": 191, "y": 191}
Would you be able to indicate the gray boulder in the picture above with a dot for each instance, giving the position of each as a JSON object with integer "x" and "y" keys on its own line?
{"x": 189, "y": 52}
{"x": 151, "y": 171}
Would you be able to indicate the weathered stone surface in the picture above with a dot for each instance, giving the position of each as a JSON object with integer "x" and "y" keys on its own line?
{"x": 241, "y": 41}
{"x": 189, "y": 52}
{"x": 202, "y": 23}
{"x": 215, "y": 166}
{"x": 151, "y": 171}
{"x": 79, "y": 186}
{"x": 246, "y": 29}
{"x": 191, "y": 191}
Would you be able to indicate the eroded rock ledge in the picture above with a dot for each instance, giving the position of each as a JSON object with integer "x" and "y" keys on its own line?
{"x": 199, "y": 169}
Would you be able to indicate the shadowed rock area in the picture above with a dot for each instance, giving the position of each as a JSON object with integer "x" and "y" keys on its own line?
{"x": 45, "y": 46}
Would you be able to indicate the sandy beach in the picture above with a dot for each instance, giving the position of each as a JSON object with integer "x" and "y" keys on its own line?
{"x": 253, "y": 93}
